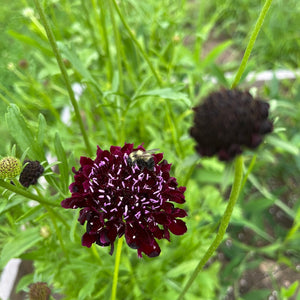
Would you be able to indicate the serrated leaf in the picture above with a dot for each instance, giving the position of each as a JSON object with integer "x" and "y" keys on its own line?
{"x": 63, "y": 166}
{"x": 18, "y": 244}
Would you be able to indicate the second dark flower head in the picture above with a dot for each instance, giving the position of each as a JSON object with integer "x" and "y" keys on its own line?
{"x": 229, "y": 120}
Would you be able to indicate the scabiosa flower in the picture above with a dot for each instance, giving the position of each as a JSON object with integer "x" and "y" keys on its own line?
{"x": 227, "y": 120}
{"x": 31, "y": 172}
{"x": 10, "y": 167}
{"x": 119, "y": 197}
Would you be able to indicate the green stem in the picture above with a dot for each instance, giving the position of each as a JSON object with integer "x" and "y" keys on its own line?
{"x": 116, "y": 271}
{"x": 106, "y": 39}
{"x": 64, "y": 73}
{"x": 91, "y": 29}
{"x": 235, "y": 191}
{"x": 251, "y": 42}
{"x": 26, "y": 194}
{"x": 118, "y": 47}
{"x": 129, "y": 31}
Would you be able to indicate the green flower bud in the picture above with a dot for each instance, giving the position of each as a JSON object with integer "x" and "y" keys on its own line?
{"x": 10, "y": 167}
{"x": 39, "y": 291}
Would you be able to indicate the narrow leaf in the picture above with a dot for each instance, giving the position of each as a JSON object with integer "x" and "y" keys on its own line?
{"x": 20, "y": 243}
{"x": 63, "y": 166}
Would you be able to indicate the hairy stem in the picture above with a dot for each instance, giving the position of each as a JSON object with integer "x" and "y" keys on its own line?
{"x": 251, "y": 42}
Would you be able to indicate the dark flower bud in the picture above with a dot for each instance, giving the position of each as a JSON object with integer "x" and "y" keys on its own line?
{"x": 39, "y": 291}
{"x": 227, "y": 121}
{"x": 30, "y": 173}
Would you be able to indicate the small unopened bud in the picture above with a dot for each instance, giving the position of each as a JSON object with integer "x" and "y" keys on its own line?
{"x": 176, "y": 38}
{"x": 10, "y": 167}
{"x": 45, "y": 232}
{"x": 23, "y": 64}
{"x": 39, "y": 291}
{"x": 67, "y": 63}
{"x": 31, "y": 173}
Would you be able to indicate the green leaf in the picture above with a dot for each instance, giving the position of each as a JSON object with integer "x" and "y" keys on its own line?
{"x": 167, "y": 93}
{"x": 77, "y": 64}
{"x": 290, "y": 291}
{"x": 42, "y": 127}
{"x": 24, "y": 282}
{"x": 29, "y": 215}
{"x": 283, "y": 145}
{"x": 20, "y": 131}
{"x": 19, "y": 244}
{"x": 215, "y": 53}
{"x": 31, "y": 42}
{"x": 63, "y": 166}
{"x": 182, "y": 269}
{"x": 257, "y": 294}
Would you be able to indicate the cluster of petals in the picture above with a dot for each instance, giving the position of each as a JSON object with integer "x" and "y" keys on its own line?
{"x": 117, "y": 198}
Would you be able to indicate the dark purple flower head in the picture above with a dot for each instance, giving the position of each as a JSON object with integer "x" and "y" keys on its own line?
{"x": 31, "y": 172}
{"x": 227, "y": 120}
{"x": 118, "y": 194}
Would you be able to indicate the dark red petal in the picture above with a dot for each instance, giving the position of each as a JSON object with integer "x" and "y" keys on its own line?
{"x": 115, "y": 150}
{"x": 86, "y": 161}
{"x": 178, "y": 227}
{"x": 158, "y": 157}
{"x": 151, "y": 249}
{"x": 87, "y": 240}
{"x": 127, "y": 148}
{"x": 130, "y": 236}
{"x": 75, "y": 201}
{"x": 103, "y": 239}
{"x": 179, "y": 213}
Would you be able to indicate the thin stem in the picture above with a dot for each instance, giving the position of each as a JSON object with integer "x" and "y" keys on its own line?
{"x": 118, "y": 47}
{"x": 235, "y": 191}
{"x": 91, "y": 29}
{"x": 129, "y": 31}
{"x": 251, "y": 42}
{"x": 106, "y": 40}
{"x": 116, "y": 271}
{"x": 26, "y": 194}
{"x": 64, "y": 73}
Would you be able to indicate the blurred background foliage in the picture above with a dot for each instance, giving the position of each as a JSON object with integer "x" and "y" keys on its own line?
{"x": 191, "y": 46}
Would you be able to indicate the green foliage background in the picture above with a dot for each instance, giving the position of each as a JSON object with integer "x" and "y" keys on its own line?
{"x": 124, "y": 100}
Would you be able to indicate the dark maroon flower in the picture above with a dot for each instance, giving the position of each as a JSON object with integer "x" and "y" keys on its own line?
{"x": 228, "y": 120}
{"x": 31, "y": 172}
{"x": 120, "y": 195}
